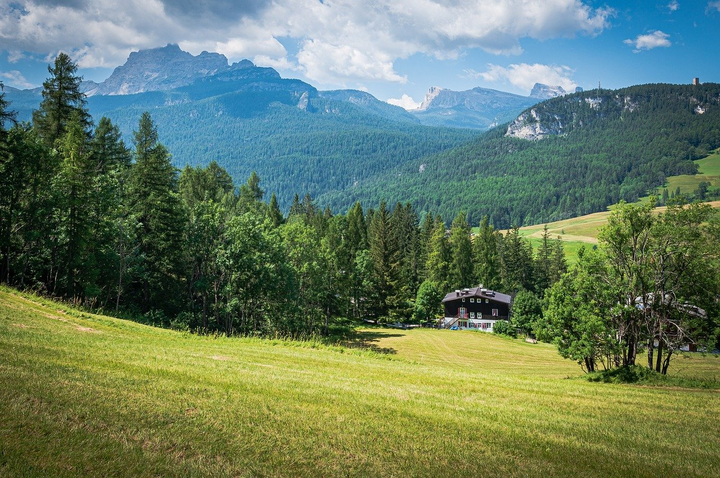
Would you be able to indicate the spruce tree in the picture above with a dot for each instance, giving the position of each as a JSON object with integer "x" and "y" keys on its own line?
{"x": 439, "y": 257}
{"x": 487, "y": 256}
{"x": 461, "y": 267}
{"x": 155, "y": 202}
{"x": 62, "y": 101}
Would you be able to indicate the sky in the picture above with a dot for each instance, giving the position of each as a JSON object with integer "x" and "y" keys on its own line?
{"x": 393, "y": 49}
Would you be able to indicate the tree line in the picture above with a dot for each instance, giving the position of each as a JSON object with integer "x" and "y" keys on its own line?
{"x": 652, "y": 286}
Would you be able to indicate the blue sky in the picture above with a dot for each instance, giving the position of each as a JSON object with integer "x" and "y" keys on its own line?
{"x": 394, "y": 49}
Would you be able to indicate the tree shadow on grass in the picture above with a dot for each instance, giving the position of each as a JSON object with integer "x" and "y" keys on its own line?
{"x": 369, "y": 340}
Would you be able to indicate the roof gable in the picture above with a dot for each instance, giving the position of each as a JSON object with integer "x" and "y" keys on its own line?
{"x": 478, "y": 292}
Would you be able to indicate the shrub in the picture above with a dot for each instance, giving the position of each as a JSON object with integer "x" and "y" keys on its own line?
{"x": 503, "y": 327}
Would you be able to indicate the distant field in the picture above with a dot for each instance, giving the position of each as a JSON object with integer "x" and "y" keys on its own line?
{"x": 583, "y": 230}
{"x": 87, "y": 395}
{"x": 576, "y": 232}
{"x": 708, "y": 171}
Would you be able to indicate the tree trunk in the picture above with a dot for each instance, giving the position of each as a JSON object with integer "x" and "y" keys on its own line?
{"x": 666, "y": 362}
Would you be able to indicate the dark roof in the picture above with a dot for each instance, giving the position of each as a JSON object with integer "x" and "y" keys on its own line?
{"x": 478, "y": 292}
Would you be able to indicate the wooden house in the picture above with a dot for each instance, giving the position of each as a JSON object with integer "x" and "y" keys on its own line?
{"x": 477, "y": 308}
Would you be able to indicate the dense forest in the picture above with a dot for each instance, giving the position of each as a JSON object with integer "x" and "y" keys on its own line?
{"x": 87, "y": 219}
{"x": 297, "y": 140}
{"x": 607, "y": 146}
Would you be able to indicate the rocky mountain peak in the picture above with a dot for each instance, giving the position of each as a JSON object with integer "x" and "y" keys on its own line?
{"x": 165, "y": 68}
{"x": 544, "y": 92}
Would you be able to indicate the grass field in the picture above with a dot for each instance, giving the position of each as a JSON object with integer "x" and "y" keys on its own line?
{"x": 583, "y": 230}
{"x": 708, "y": 171}
{"x": 576, "y": 232}
{"x": 86, "y": 395}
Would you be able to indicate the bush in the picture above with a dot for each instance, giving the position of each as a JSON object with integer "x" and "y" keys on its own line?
{"x": 503, "y": 327}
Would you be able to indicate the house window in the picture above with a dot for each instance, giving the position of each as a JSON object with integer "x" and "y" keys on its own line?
{"x": 484, "y": 326}
{"x": 472, "y": 301}
{"x": 472, "y": 315}
{"x": 487, "y": 301}
{"x": 495, "y": 312}
{"x": 462, "y": 313}
{"x": 479, "y": 315}
{"x": 463, "y": 300}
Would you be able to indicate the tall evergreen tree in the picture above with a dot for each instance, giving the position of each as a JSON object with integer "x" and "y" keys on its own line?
{"x": 516, "y": 262}
{"x": 461, "y": 267}
{"x": 62, "y": 101}
{"x": 274, "y": 213}
{"x": 75, "y": 186}
{"x": 439, "y": 257}
{"x": 487, "y": 256}
{"x": 384, "y": 259}
{"x": 154, "y": 201}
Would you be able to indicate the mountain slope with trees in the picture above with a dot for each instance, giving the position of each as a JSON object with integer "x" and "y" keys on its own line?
{"x": 599, "y": 147}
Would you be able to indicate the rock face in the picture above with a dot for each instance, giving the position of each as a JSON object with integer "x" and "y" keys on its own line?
{"x": 161, "y": 69}
{"x": 545, "y": 92}
{"x": 478, "y": 108}
{"x": 529, "y": 126}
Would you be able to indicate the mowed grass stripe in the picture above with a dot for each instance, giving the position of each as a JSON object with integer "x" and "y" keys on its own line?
{"x": 126, "y": 399}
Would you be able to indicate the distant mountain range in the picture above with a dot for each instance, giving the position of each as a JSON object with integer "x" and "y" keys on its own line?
{"x": 588, "y": 149}
{"x": 565, "y": 157}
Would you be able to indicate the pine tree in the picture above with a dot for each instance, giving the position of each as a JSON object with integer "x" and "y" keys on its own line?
{"x": 461, "y": 267}
{"x": 439, "y": 257}
{"x": 274, "y": 212}
{"x": 487, "y": 256}
{"x": 384, "y": 260}
{"x": 155, "y": 202}
{"x": 62, "y": 101}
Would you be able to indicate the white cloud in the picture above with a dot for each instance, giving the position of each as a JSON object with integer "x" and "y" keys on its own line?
{"x": 405, "y": 102}
{"x": 338, "y": 41}
{"x": 15, "y": 56}
{"x": 713, "y": 6}
{"x": 16, "y": 79}
{"x": 524, "y": 76}
{"x": 652, "y": 40}
{"x": 673, "y": 5}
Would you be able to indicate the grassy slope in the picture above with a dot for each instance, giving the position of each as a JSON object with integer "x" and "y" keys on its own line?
{"x": 583, "y": 230}
{"x": 708, "y": 170}
{"x": 90, "y": 395}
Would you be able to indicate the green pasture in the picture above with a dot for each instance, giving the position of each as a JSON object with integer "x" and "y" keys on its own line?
{"x": 87, "y": 395}
{"x": 708, "y": 171}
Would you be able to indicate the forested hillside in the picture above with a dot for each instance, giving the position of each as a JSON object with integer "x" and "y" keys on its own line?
{"x": 327, "y": 145}
{"x": 598, "y": 147}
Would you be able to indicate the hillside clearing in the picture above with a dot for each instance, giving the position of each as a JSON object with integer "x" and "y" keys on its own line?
{"x": 132, "y": 400}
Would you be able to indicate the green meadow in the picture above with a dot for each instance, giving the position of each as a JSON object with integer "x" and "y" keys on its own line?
{"x": 88, "y": 395}
{"x": 708, "y": 171}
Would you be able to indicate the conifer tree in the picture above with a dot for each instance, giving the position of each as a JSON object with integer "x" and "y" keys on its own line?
{"x": 154, "y": 201}
{"x": 384, "y": 259}
{"x": 62, "y": 101}
{"x": 461, "y": 267}
{"x": 487, "y": 256}
{"x": 274, "y": 213}
{"x": 439, "y": 257}
{"x": 75, "y": 187}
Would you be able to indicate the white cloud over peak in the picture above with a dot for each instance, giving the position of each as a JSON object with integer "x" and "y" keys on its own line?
{"x": 404, "y": 102}
{"x": 649, "y": 41}
{"x": 16, "y": 79}
{"x": 524, "y": 76}
{"x": 673, "y": 5}
{"x": 337, "y": 41}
